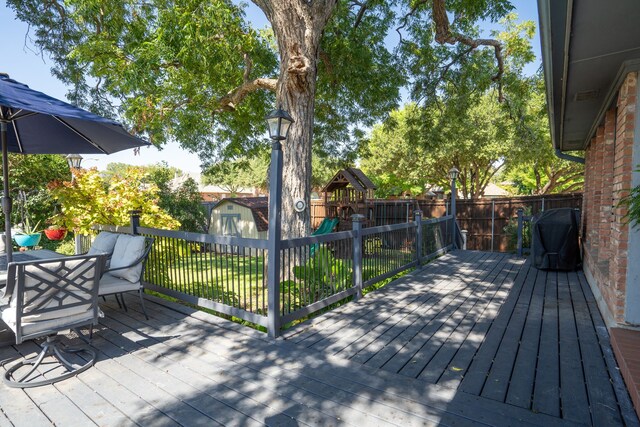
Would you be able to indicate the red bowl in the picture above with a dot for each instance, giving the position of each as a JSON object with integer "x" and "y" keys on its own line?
{"x": 55, "y": 234}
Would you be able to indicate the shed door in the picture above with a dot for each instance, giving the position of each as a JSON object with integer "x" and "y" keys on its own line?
{"x": 230, "y": 225}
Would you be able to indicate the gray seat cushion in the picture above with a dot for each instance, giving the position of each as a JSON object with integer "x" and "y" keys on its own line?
{"x": 110, "y": 284}
{"x": 31, "y": 325}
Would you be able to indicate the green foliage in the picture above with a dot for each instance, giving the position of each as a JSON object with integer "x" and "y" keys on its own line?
{"x": 89, "y": 200}
{"x": 161, "y": 65}
{"x": 182, "y": 201}
{"x": 632, "y": 201}
{"x": 462, "y": 125}
{"x": 253, "y": 172}
{"x": 172, "y": 69}
{"x": 410, "y": 152}
{"x": 320, "y": 277}
{"x": 246, "y": 172}
{"x": 27, "y": 224}
{"x": 30, "y": 174}
{"x": 165, "y": 66}
{"x": 65, "y": 247}
{"x": 534, "y": 168}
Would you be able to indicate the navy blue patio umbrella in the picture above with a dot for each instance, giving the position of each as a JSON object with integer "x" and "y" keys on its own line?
{"x": 34, "y": 123}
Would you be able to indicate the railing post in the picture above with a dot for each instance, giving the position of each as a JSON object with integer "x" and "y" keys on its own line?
{"x": 520, "y": 227}
{"x": 418, "y": 216}
{"x": 78, "y": 243}
{"x": 134, "y": 220}
{"x": 453, "y": 212}
{"x": 273, "y": 244}
{"x": 356, "y": 221}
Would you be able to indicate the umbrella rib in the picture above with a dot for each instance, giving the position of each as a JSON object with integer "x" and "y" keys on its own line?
{"x": 15, "y": 130}
{"x": 15, "y": 115}
{"x": 77, "y": 132}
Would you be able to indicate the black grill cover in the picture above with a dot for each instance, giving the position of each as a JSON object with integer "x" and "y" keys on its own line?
{"x": 554, "y": 240}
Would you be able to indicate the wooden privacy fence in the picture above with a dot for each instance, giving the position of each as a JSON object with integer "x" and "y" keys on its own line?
{"x": 485, "y": 219}
{"x": 229, "y": 274}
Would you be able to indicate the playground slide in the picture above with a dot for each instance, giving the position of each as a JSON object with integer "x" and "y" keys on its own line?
{"x": 326, "y": 226}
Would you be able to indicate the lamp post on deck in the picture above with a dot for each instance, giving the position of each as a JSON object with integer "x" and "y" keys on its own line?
{"x": 453, "y": 176}
{"x": 279, "y": 121}
{"x": 74, "y": 161}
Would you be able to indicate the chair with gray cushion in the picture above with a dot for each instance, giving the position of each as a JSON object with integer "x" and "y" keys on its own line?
{"x": 126, "y": 268}
{"x": 104, "y": 243}
{"x": 43, "y": 298}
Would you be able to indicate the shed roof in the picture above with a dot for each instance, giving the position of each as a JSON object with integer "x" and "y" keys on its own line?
{"x": 350, "y": 176}
{"x": 259, "y": 207}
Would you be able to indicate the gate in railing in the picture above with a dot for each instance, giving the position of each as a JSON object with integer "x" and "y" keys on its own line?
{"x": 228, "y": 274}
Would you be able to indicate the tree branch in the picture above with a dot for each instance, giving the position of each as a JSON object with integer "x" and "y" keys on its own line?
{"x": 229, "y": 101}
{"x": 235, "y": 96}
{"x": 363, "y": 8}
{"x": 445, "y": 35}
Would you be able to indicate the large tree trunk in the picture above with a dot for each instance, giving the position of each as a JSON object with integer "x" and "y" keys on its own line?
{"x": 298, "y": 27}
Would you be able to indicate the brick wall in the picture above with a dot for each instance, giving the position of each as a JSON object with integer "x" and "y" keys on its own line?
{"x": 608, "y": 174}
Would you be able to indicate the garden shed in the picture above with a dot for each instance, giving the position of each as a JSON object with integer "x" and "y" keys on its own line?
{"x": 246, "y": 217}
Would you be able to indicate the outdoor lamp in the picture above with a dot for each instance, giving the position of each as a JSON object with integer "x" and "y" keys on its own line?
{"x": 453, "y": 173}
{"x": 279, "y": 121}
{"x": 74, "y": 161}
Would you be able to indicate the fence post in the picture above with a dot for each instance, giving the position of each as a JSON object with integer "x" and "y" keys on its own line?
{"x": 493, "y": 222}
{"x": 274, "y": 242}
{"x": 356, "y": 221}
{"x": 134, "y": 220}
{"x": 78, "y": 243}
{"x": 418, "y": 216}
{"x": 520, "y": 227}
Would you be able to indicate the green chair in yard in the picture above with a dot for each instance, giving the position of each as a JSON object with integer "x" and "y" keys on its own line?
{"x": 326, "y": 226}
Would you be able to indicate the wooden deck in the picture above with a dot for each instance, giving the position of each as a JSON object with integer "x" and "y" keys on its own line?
{"x": 488, "y": 325}
{"x": 446, "y": 345}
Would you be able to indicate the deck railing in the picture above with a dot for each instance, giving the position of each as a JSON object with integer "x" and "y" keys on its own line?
{"x": 228, "y": 274}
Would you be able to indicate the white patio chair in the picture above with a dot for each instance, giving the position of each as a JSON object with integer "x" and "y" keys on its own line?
{"x": 43, "y": 298}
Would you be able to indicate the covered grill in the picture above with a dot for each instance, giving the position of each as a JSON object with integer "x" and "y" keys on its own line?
{"x": 554, "y": 240}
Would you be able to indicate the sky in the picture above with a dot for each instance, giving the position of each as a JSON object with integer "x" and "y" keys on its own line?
{"x": 26, "y": 66}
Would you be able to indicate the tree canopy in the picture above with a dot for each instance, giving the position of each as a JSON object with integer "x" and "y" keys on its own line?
{"x": 195, "y": 71}
{"x": 462, "y": 125}
{"x": 405, "y": 156}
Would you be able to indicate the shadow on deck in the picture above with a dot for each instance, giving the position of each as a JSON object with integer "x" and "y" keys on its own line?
{"x": 487, "y": 325}
{"x": 468, "y": 318}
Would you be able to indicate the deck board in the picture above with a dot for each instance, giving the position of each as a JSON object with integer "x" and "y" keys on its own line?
{"x": 504, "y": 331}
{"x": 458, "y": 318}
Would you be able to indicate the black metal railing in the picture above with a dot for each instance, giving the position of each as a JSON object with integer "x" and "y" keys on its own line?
{"x": 315, "y": 272}
{"x": 388, "y": 250}
{"x": 228, "y": 274}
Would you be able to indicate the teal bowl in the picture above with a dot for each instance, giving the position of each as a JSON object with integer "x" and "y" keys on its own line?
{"x": 27, "y": 239}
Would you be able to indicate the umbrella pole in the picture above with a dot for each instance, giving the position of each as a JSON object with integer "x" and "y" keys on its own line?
{"x": 6, "y": 199}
